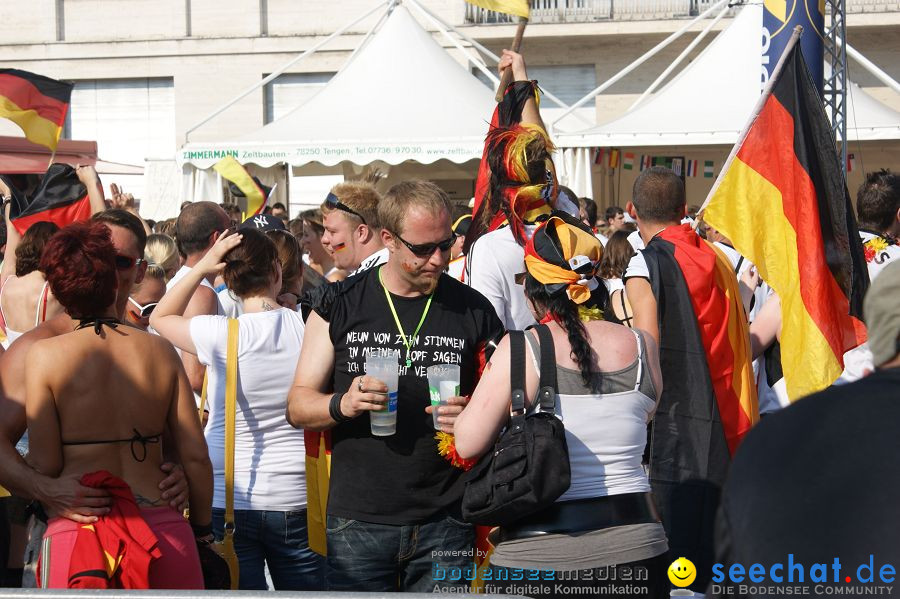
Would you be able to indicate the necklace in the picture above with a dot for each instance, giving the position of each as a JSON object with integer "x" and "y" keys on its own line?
{"x": 407, "y": 341}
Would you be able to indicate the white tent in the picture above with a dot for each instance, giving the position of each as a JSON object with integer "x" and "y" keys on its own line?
{"x": 711, "y": 100}
{"x": 402, "y": 97}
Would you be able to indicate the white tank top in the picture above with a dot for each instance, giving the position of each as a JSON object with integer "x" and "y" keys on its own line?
{"x": 606, "y": 434}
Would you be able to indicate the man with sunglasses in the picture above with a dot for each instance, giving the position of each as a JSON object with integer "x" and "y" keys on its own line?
{"x": 393, "y": 515}
{"x": 352, "y": 232}
{"x": 66, "y": 496}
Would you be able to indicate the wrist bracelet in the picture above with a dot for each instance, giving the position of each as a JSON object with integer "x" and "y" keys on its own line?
{"x": 334, "y": 409}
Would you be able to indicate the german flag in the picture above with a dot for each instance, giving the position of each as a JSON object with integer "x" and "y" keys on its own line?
{"x": 783, "y": 203}
{"x": 243, "y": 185}
{"x": 35, "y": 103}
{"x": 318, "y": 477}
{"x": 60, "y": 198}
{"x": 709, "y": 400}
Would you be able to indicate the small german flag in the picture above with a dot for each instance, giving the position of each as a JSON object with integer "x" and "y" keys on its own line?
{"x": 783, "y": 203}
{"x": 37, "y": 104}
{"x": 60, "y": 198}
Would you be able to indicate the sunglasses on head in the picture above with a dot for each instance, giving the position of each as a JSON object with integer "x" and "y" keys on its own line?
{"x": 333, "y": 201}
{"x": 126, "y": 262}
{"x": 143, "y": 311}
{"x": 423, "y": 250}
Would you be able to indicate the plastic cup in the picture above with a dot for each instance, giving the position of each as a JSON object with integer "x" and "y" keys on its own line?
{"x": 443, "y": 383}
{"x": 384, "y": 366}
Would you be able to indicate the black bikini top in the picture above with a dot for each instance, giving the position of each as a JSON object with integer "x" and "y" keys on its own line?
{"x": 97, "y": 322}
{"x": 137, "y": 438}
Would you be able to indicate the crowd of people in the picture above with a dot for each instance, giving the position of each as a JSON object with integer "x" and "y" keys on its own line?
{"x": 124, "y": 339}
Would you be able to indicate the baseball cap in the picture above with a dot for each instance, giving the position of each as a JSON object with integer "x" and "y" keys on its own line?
{"x": 264, "y": 222}
{"x": 882, "y": 313}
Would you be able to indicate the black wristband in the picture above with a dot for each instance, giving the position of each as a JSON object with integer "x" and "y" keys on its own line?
{"x": 202, "y": 531}
{"x": 334, "y": 409}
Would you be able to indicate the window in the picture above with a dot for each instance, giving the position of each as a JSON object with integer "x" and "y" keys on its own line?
{"x": 290, "y": 90}
{"x": 569, "y": 83}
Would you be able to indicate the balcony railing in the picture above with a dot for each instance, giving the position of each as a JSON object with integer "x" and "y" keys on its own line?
{"x": 589, "y": 11}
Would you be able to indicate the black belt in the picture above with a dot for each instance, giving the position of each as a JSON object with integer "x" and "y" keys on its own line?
{"x": 581, "y": 515}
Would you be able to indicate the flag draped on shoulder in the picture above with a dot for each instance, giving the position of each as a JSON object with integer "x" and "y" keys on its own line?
{"x": 510, "y": 7}
{"x": 37, "y": 104}
{"x": 783, "y": 203}
{"x": 60, "y": 198}
{"x": 244, "y": 185}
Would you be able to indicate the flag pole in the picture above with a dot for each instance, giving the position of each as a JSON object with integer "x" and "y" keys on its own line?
{"x": 506, "y": 79}
{"x": 763, "y": 98}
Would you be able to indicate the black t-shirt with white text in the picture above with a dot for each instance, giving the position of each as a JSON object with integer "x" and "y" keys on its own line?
{"x": 401, "y": 479}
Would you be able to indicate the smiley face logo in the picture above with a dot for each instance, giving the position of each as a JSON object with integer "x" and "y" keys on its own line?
{"x": 682, "y": 572}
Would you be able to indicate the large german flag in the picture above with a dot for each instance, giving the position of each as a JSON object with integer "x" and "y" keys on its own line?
{"x": 709, "y": 399}
{"x": 35, "y": 103}
{"x": 783, "y": 203}
{"x": 243, "y": 185}
{"x": 60, "y": 198}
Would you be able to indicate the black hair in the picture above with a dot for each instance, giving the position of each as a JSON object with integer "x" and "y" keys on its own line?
{"x": 612, "y": 212}
{"x": 878, "y": 200}
{"x": 197, "y": 222}
{"x": 565, "y": 311}
{"x": 590, "y": 210}
{"x": 658, "y": 195}
{"x": 126, "y": 220}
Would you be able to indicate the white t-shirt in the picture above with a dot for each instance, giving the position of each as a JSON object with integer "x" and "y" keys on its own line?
{"x": 232, "y": 305}
{"x": 493, "y": 262}
{"x": 877, "y": 259}
{"x": 269, "y": 452}
{"x": 204, "y": 283}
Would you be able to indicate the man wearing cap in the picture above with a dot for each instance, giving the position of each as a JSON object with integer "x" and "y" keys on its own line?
{"x": 393, "y": 518}
{"x": 352, "y": 233}
{"x": 820, "y": 480}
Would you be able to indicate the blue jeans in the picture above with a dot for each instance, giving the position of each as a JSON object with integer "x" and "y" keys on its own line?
{"x": 279, "y": 539}
{"x": 368, "y": 557}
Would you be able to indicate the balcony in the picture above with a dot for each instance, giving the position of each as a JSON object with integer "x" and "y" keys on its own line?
{"x": 590, "y": 11}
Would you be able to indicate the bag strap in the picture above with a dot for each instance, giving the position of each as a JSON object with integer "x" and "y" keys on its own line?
{"x": 517, "y": 371}
{"x": 547, "y": 388}
{"x": 230, "y": 415}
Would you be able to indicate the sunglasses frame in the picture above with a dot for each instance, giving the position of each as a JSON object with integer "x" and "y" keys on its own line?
{"x": 151, "y": 305}
{"x": 120, "y": 264}
{"x": 332, "y": 200}
{"x": 419, "y": 249}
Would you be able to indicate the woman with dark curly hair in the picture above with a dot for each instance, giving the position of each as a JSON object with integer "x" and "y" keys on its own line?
{"x": 25, "y": 297}
{"x": 96, "y": 404}
{"x": 608, "y": 383}
{"x": 616, "y": 255}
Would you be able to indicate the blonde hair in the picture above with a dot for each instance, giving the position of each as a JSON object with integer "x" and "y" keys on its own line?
{"x": 359, "y": 196}
{"x": 392, "y": 210}
{"x": 161, "y": 251}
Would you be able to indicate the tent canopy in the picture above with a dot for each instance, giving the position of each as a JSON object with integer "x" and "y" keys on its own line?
{"x": 18, "y": 155}
{"x": 710, "y": 101}
{"x": 402, "y": 97}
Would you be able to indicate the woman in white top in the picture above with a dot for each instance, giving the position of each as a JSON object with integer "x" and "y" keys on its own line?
{"x": 269, "y": 477}
{"x": 608, "y": 384}
{"x": 25, "y": 297}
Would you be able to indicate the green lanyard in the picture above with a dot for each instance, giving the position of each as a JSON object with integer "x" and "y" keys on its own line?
{"x": 407, "y": 341}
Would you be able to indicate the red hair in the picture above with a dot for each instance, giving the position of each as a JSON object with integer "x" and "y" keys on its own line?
{"x": 79, "y": 263}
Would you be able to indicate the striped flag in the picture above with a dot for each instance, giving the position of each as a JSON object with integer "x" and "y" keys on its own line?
{"x": 851, "y": 162}
{"x": 784, "y": 206}
{"x": 708, "y": 169}
{"x": 646, "y": 161}
{"x": 691, "y": 168}
{"x": 244, "y": 185}
{"x": 59, "y": 198}
{"x": 510, "y": 7}
{"x": 37, "y": 104}
{"x": 676, "y": 166}
{"x": 613, "y": 159}
{"x": 598, "y": 156}
{"x": 628, "y": 163}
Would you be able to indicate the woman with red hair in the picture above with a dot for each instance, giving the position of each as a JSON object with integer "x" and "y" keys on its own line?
{"x": 97, "y": 403}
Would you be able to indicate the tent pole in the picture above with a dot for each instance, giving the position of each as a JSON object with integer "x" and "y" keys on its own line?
{"x": 871, "y": 67}
{"x": 281, "y": 70}
{"x": 680, "y": 57}
{"x": 491, "y": 55}
{"x": 371, "y": 31}
{"x": 638, "y": 62}
{"x": 479, "y": 64}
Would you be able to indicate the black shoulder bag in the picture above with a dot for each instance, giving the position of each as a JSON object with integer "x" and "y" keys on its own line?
{"x": 528, "y": 468}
